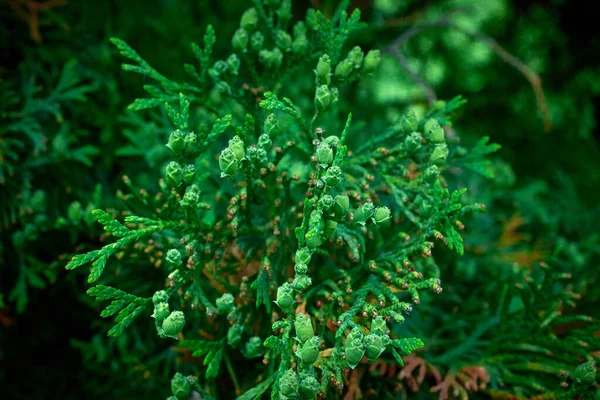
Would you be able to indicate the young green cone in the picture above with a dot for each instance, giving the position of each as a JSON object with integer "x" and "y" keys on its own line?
{"x": 173, "y": 324}
{"x": 309, "y": 388}
{"x": 225, "y": 303}
{"x": 309, "y": 351}
{"x": 354, "y": 347}
{"x": 285, "y": 296}
{"x": 303, "y": 327}
{"x": 180, "y": 386}
{"x": 234, "y": 334}
{"x": 288, "y": 384}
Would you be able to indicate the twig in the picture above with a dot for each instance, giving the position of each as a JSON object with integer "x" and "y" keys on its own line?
{"x": 32, "y": 17}
{"x": 444, "y": 21}
{"x": 534, "y": 80}
{"x": 395, "y": 49}
{"x": 234, "y": 379}
{"x": 354, "y": 384}
{"x": 400, "y": 21}
{"x": 429, "y": 92}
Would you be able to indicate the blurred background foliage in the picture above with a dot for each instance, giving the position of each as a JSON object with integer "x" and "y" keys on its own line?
{"x": 529, "y": 71}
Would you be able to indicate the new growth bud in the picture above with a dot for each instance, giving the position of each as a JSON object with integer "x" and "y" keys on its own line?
{"x": 313, "y": 239}
{"x": 225, "y": 303}
{"x": 180, "y": 386}
{"x": 253, "y": 347}
{"x": 299, "y": 29}
{"x": 219, "y": 68}
{"x": 283, "y": 40}
{"x": 309, "y": 388}
{"x": 356, "y": 56}
{"x": 300, "y": 46}
{"x": 410, "y": 121}
{"x": 343, "y": 69}
{"x": 234, "y": 335}
{"x": 174, "y": 174}
{"x": 249, "y": 20}
{"x": 189, "y": 174}
{"x": 301, "y": 283}
{"x": 233, "y": 64}
{"x": 341, "y": 206}
{"x": 257, "y": 41}
{"x": 378, "y": 326}
{"x": 332, "y": 140}
{"x": 175, "y": 143}
{"x": 272, "y": 125}
{"x": 323, "y": 71}
{"x": 333, "y": 176}
{"x": 237, "y": 146}
{"x": 303, "y": 327}
{"x": 271, "y": 58}
{"x": 190, "y": 144}
{"x": 160, "y": 297}
{"x": 311, "y": 19}
{"x": 191, "y": 196}
{"x": 372, "y": 61}
{"x": 324, "y": 155}
{"x": 322, "y": 97}
{"x": 439, "y": 154}
{"x": 354, "y": 347}
{"x": 240, "y": 40}
{"x": 285, "y": 296}
{"x": 412, "y": 142}
{"x": 381, "y": 215}
{"x": 309, "y": 351}
{"x": 433, "y": 131}
{"x": 288, "y": 384}
{"x": 431, "y": 174}
{"x": 174, "y": 258}
{"x": 326, "y": 202}
{"x": 284, "y": 13}
{"x": 585, "y": 373}
{"x": 264, "y": 142}
{"x": 228, "y": 163}
{"x": 363, "y": 213}
{"x": 161, "y": 311}
{"x": 374, "y": 346}
{"x": 300, "y": 268}
{"x": 173, "y": 324}
{"x": 303, "y": 256}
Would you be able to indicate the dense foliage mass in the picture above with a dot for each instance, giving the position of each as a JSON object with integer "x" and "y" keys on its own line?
{"x": 276, "y": 214}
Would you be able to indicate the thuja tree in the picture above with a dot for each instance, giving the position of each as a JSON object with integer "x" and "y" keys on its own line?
{"x": 290, "y": 237}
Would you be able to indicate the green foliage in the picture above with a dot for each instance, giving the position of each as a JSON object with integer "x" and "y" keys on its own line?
{"x": 128, "y": 306}
{"x": 35, "y": 138}
{"x": 509, "y": 304}
{"x": 211, "y": 351}
{"x": 263, "y": 179}
{"x": 98, "y": 258}
{"x": 291, "y": 204}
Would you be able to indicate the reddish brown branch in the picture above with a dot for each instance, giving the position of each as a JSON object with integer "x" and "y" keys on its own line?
{"x": 28, "y": 11}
